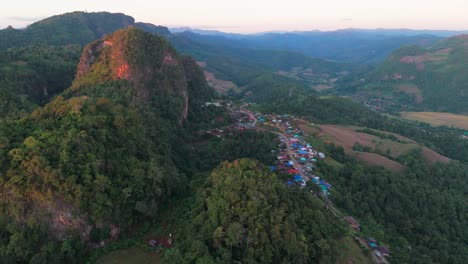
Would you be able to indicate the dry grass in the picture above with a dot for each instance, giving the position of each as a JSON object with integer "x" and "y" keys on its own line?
{"x": 377, "y": 160}
{"x": 438, "y": 119}
{"x": 347, "y": 136}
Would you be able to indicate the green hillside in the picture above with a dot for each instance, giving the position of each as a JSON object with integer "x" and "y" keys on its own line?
{"x": 100, "y": 157}
{"x": 432, "y": 79}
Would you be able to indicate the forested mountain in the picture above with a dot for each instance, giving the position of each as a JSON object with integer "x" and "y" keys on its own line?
{"x": 70, "y": 28}
{"x": 418, "y": 78}
{"x": 101, "y": 156}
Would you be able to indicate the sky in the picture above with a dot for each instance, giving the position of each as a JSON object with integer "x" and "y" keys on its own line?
{"x": 250, "y": 16}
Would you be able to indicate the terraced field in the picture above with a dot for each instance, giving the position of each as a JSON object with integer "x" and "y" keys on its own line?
{"x": 382, "y": 148}
{"x": 438, "y": 119}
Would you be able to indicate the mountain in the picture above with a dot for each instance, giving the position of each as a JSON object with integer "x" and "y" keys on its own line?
{"x": 418, "y": 78}
{"x": 103, "y": 154}
{"x": 227, "y": 68}
{"x": 348, "y": 46}
{"x": 40, "y": 61}
{"x": 242, "y": 65}
{"x": 376, "y": 31}
{"x": 70, "y": 28}
{"x": 205, "y": 32}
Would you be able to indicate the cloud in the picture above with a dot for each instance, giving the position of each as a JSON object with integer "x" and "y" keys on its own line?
{"x": 346, "y": 19}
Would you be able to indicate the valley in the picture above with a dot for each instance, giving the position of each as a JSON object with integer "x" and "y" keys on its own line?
{"x": 127, "y": 142}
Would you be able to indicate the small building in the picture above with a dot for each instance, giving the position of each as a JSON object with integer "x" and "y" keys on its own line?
{"x": 216, "y": 104}
{"x": 372, "y": 242}
{"x": 321, "y": 155}
{"x": 326, "y": 184}
{"x": 297, "y": 178}
{"x": 165, "y": 242}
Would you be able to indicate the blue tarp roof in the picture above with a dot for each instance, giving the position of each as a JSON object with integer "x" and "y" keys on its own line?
{"x": 324, "y": 183}
{"x": 302, "y": 152}
{"x": 272, "y": 168}
{"x": 297, "y": 177}
{"x": 290, "y": 183}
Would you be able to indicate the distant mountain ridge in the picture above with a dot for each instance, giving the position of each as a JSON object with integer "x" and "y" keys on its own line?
{"x": 345, "y": 46}
{"x": 377, "y": 31}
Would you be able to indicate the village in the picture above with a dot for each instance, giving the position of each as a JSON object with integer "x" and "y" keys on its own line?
{"x": 297, "y": 159}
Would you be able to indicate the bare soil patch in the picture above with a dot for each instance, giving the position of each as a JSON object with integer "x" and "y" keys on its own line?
{"x": 221, "y": 86}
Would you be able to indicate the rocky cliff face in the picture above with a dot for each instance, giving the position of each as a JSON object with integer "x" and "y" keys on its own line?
{"x": 147, "y": 62}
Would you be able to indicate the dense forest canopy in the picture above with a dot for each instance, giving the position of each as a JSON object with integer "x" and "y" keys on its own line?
{"x": 243, "y": 213}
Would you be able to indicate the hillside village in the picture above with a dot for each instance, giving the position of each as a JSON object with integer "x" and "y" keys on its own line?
{"x": 295, "y": 159}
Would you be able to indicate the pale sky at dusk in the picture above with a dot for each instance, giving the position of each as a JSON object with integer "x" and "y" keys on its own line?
{"x": 247, "y": 16}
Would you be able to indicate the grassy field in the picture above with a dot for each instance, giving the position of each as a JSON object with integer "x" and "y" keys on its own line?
{"x": 135, "y": 254}
{"x": 383, "y": 149}
{"x": 438, "y": 119}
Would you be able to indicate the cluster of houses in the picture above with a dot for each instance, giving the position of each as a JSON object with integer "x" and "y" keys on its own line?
{"x": 299, "y": 151}
{"x": 242, "y": 121}
{"x": 295, "y": 158}
{"x": 306, "y": 157}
